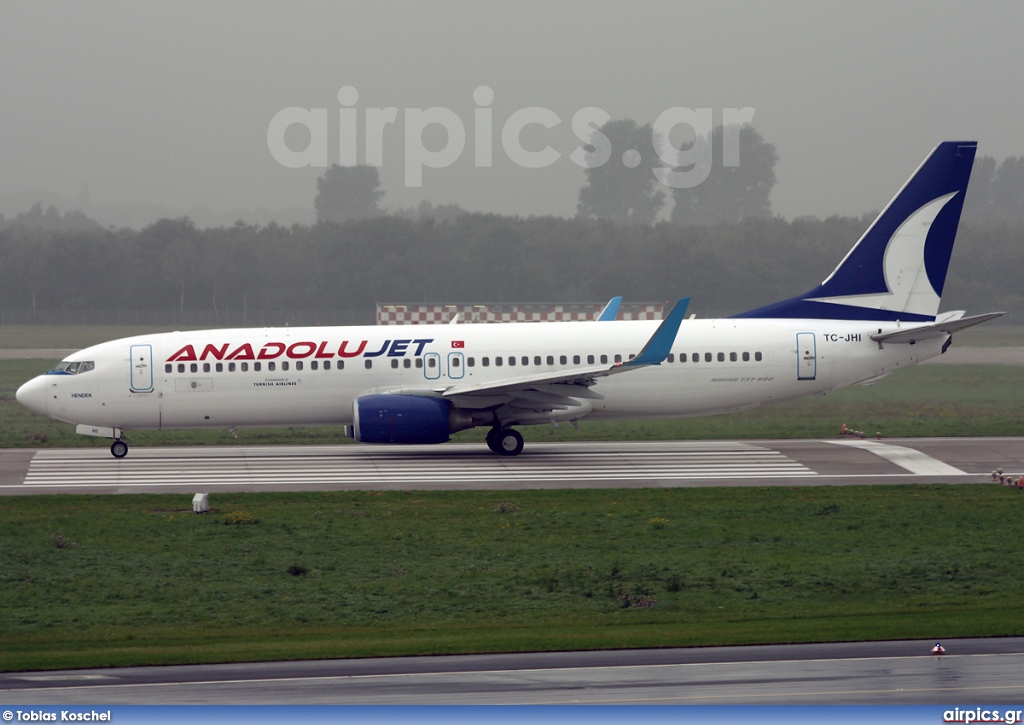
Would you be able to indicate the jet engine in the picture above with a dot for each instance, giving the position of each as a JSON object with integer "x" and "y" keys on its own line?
{"x": 398, "y": 418}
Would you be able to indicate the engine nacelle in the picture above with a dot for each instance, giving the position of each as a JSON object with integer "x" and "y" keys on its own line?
{"x": 397, "y": 418}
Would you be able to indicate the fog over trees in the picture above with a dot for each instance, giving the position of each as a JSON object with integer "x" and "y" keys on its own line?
{"x": 726, "y": 251}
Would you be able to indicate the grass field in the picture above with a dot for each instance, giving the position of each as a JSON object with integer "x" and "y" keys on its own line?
{"x": 937, "y": 400}
{"x": 125, "y": 580}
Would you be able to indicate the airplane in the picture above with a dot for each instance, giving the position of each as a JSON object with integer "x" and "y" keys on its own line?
{"x": 878, "y": 312}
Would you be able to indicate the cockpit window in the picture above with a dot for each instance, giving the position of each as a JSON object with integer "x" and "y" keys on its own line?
{"x": 73, "y": 368}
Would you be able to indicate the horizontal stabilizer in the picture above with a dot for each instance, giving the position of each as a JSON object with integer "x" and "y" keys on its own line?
{"x": 936, "y": 329}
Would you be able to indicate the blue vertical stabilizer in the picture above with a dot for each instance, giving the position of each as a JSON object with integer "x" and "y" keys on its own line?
{"x": 897, "y": 269}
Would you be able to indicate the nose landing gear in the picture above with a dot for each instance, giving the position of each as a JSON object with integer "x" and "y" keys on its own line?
{"x": 119, "y": 448}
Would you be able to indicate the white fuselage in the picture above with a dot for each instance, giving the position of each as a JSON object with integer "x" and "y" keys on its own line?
{"x": 312, "y": 376}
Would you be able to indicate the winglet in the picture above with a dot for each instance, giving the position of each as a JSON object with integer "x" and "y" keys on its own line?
{"x": 611, "y": 310}
{"x": 657, "y": 348}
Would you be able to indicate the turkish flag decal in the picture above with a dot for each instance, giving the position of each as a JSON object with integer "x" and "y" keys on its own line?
{"x": 458, "y": 343}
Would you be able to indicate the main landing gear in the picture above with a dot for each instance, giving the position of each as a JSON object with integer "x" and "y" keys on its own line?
{"x": 119, "y": 448}
{"x": 505, "y": 441}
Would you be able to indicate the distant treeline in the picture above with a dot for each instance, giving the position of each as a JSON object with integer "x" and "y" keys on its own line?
{"x": 173, "y": 267}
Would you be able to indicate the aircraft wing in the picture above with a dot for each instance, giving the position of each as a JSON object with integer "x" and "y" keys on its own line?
{"x": 552, "y": 390}
{"x": 948, "y": 324}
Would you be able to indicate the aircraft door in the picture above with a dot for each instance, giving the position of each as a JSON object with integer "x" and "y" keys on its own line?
{"x": 456, "y": 365}
{"x": 806, "y": 356}
{"x": 431, "y": 366}
{"x": 141, "y": 360}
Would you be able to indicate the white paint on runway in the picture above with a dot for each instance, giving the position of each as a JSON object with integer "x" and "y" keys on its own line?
{"x": 202, "y": 468}
{"x": 908, "y": 459}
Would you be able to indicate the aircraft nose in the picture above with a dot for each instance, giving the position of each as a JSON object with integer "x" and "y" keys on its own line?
{"x": 33, "y": 395}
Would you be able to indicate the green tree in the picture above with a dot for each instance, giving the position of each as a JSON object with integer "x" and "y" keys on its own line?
{"x": 621, "y": 187}
{"x": 730, "y": 193}
{"x": 348, "y": 192}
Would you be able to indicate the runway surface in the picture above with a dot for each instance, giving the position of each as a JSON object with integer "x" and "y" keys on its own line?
{"x": 980, "y": 670}
{"x": 840, "y": 461}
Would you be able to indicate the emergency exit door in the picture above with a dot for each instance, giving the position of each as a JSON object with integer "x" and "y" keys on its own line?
{"x": 806, "y": 356}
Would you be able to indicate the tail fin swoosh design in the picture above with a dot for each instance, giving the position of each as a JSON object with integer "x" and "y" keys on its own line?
{"x": 897, "y": 269}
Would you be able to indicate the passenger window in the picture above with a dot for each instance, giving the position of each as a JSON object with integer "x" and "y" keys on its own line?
{"x": 257, "y": 366}
{"x": 618, "y": 358}
{"x": 551, "y": 359}
{"x": 181, "y": 367}
{"x": 746, "y": 357}
{"x": 604, "y": 359}
{"x": 455, "y": 362}
{"x": 419, "y": 362}
{"x": 245, "y": 367}
{"x": 284, "y": 365}
{"x": 632, "y": 355}
{"x": 696, "y": 357}
{"x": 575, "y": 359}
{"x": 431, "y": 362}
{"x": 511, "y": 359}
{"x": 757, "y": 357}
{"x": 485, "y": 361}
{"x": 536, "y": 360}
{"x": 497, "y": 361}
{"x": 590, "y": 359}
{"x": 231, "y": 367}
{"x": 682, "y": 357}
{"x": 671, "y": 358}
{"x": 341, "y": 365}
{"x": 732, "y": 357}
{"x": 193, "y": 367}
{"x": 298, "y": 365}
{"x": 168, "y": 368}
{"x": 271, "y": 366}
{"x": 327, "y": 364}
{"x": 563, "y": 360}
{"x": 721, "y": 357}
{"x": 368, "y": 364}
{"x": 525, "y": 360}
{"x": 470, "y": 361}
{"x": 394, "y": 363}
{"x": 313, "y": 365}
{"x": 707, "y": 357}
{"x": 206, "y": 367}
{"x": 407, "y": 363}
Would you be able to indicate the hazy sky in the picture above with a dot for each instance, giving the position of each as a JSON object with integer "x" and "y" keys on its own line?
{"x": 170, "y": 102}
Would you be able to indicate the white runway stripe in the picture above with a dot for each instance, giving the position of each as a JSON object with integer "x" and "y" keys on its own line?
{"x": 906, "y": 458}
{"x": 351, "y": 466}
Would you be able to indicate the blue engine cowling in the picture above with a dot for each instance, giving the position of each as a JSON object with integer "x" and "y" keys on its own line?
{"x": 396, "y": 418}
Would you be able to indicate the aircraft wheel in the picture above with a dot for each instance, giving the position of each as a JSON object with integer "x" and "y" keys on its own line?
{"x": 119, "y": 449}
{"x": 492, "y": 439}
{"x": 510, "y": 442}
